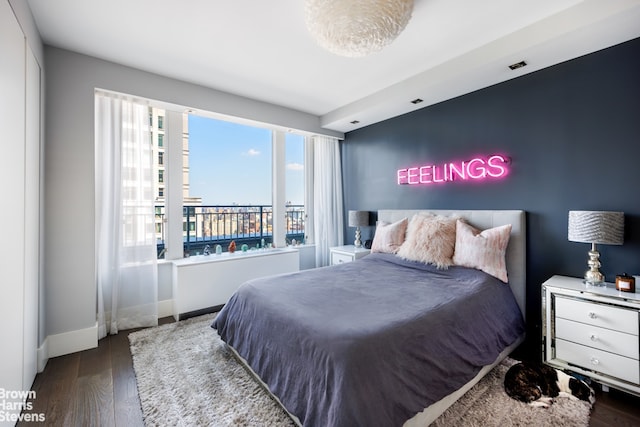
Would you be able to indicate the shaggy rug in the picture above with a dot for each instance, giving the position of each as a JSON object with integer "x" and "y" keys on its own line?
{"x": 187, "y": 377}
{"x": 487, "y": 405}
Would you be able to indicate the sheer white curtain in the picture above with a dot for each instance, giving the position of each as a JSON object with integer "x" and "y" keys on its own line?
{"x": 126, "y": 258}
{"x": 327, "y": 197}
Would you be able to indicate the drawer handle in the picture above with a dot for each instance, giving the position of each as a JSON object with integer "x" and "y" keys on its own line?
{"x": 594, "y": 361}
{"x": 593, "y": 315}
{"x": 594, "y": 337}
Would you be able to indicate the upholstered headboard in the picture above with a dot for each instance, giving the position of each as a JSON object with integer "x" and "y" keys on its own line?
{"x": 483, "y": 219}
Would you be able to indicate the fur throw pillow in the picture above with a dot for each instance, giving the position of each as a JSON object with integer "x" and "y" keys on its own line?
{"x": 430, "y": 239}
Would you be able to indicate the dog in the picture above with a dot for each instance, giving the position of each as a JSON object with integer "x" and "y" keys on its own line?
{"x": 538, "y": 384}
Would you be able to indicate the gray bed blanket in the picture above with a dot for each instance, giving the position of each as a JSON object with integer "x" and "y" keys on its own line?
{"x": 371, "y": 342}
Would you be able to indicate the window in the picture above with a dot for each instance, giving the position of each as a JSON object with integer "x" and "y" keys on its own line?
{"x": 229, "y": 163}
{"x": 230, "y": 168}
{"x": 226, "y": 189}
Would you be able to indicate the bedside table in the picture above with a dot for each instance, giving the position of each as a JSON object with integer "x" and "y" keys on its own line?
{"x": 347, "y": 253}
{"x": 593, "y": 331}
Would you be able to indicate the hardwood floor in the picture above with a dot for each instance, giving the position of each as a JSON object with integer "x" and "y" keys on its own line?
{"x": 94, "y": 387}
{"x": 615, "y": 408}
{"x": 97, "y": 387}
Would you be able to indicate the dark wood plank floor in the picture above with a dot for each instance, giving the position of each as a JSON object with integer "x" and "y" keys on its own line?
{"x": 97, "y": 387}
{"x": 94, "y": 387}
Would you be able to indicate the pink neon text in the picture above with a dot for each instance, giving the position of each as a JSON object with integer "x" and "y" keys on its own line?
{"x": 478, "y": 168}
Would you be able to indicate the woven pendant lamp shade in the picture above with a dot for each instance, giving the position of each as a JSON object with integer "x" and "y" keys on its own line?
{"x": 356, "y": 28}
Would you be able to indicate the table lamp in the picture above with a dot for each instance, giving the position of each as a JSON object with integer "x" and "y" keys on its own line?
{"x": 358, "y": 219}
{"x": 596, "y": 227}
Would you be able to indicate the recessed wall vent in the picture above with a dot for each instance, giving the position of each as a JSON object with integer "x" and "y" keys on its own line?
{"x": 416, "y": 101}
{"x": 517, "y": 65}
{"x": 355, "y": 122}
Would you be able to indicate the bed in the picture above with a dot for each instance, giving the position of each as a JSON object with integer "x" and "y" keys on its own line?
{"x": 383, "y": 340}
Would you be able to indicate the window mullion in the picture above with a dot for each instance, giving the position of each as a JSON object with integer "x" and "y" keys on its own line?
{"x": 278, "y": 193}
{"x": 308, "y": 190}
{"x": 173, "y": 184}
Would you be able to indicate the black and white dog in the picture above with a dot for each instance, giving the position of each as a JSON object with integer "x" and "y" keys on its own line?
{"x": 538, "y": 384}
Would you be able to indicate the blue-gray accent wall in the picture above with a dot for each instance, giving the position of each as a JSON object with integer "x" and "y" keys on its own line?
{"x": 572, "y": 132}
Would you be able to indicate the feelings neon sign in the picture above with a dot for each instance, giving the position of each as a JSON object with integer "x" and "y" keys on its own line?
{"x": 478, "y": 168}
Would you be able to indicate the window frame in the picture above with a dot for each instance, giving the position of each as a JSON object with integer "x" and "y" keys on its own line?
{"x": 174, "y": 131}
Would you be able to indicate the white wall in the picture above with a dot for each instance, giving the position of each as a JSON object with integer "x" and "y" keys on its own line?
{"x": 70, "y": 82}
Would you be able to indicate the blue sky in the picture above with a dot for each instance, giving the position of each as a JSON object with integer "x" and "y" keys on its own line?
{"x": 231, "y": 163}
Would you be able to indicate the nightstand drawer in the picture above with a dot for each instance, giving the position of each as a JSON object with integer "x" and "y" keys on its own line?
{"x": 598, "y": 360}
{"x": 595, "y": 314}
{"x": 338, "y": 258}
{"x": 599, "y": 338}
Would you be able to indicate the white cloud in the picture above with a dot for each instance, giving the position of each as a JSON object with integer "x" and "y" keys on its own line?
{"x": 295, "y": 166}
{"x": 252, "y": 152}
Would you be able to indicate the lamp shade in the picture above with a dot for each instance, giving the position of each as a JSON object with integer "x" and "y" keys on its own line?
{"x": 358, "y": 218}
{"x": 596, "y": 227}
{"x": 356, "y": 28}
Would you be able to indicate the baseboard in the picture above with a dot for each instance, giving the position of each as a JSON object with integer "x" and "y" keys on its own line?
{"x": 43, "y": 355}
{"x": 70, "y": 342}
{"x": 165, "y": 308}
{"x": 201, "y": 312}
{"x": 82, "y": 339}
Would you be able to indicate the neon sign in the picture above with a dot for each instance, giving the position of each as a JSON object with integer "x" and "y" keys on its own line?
{"x": 478, "y": 168}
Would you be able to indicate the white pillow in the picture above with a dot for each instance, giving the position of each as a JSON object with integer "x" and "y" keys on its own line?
{"x": 430, "y": 239}
{"x": 484, "y": 250}
{"x": 389, "y": 237}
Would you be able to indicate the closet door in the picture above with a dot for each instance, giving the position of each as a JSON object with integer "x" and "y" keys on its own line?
{"x": 32, "y": 219}
{"x": 12, "y": 219}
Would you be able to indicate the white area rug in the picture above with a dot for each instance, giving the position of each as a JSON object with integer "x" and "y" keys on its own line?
{"x": 186, "y": 377}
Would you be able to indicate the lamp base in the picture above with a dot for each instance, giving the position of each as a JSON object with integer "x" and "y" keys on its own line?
{"x": 357, "y": 243}
{"x": 593, "y": 276}
{"x": 594, "y": 280}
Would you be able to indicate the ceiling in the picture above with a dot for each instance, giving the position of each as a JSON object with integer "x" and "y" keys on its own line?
{"x": 262, "y": 50}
